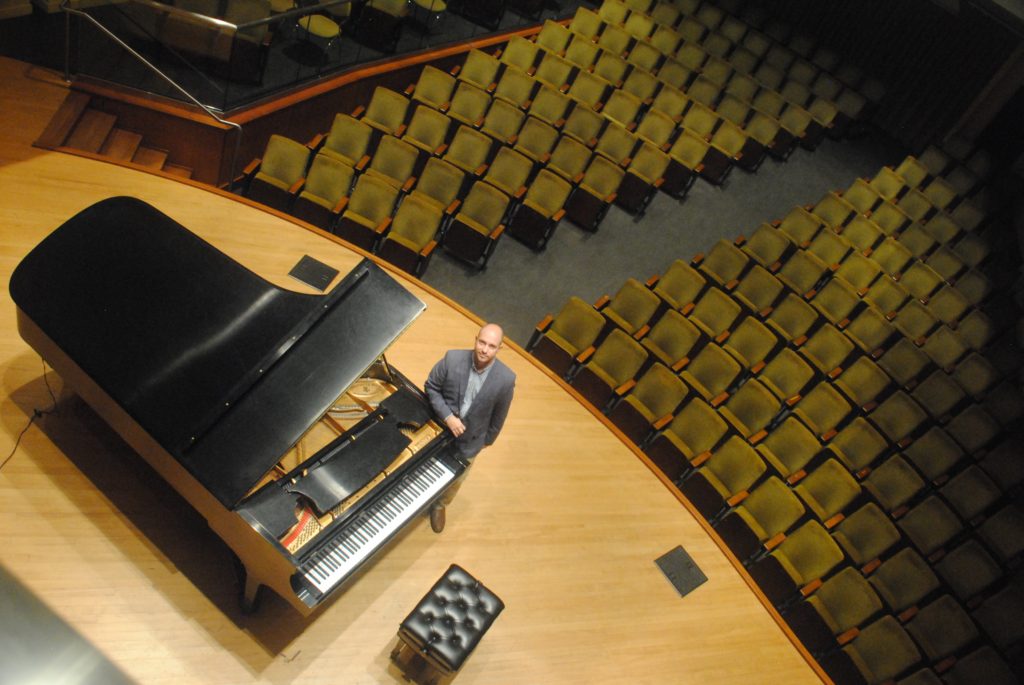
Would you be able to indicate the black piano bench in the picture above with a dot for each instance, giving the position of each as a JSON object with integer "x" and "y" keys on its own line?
{"x": 444, "y": 628}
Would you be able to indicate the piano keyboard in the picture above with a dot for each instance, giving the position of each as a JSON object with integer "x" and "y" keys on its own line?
{"x": 333, "y": 562}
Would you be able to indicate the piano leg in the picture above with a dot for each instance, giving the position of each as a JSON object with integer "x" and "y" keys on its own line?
{"x": 249, "y": 586}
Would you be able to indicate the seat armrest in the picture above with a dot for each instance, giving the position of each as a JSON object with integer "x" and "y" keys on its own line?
{"x": 586, "y": 354}
{"x": 544, "y": 323}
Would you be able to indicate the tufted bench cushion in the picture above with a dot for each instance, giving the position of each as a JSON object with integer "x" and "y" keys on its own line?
{"x": 449, "y": 621}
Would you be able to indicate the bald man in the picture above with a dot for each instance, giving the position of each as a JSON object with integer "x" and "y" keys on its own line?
{"x": 470, "y": 391}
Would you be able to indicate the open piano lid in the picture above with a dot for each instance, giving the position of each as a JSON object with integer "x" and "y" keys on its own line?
{"x": 225, "y": 370}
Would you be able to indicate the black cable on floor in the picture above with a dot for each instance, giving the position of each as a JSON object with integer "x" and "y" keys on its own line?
{"x": 36, "y": 413}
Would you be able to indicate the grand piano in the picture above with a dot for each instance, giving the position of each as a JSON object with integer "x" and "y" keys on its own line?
{"x": 274, "y": 413}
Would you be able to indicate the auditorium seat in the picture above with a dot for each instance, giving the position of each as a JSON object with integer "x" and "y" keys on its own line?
{"x": 789, "y": 449}
{"x": 509, "y": 172}
{"x": 770, "y": 510}
{"x": 724, "y": 479}
{"x": 968, "y": 570}
{"x": 386, "y": 111}
{"x": 1003, "y": 533}
{"x": 800, "y": 226}
{"x": 536, "y": 140}
{"x": 672, "y": 339}
{"x": 751, "y": 344}
{"x": 644, "y": 175}
{"x": 863, "y": 383}
{"x": 394, "y": 162}
{"x": 750, "y": 410}
{"x": 832, "y": 614}
{"x": 275, "y": 178}
{"x": 480, "y": 69}
{"x": 971, "y": 493}
{"x": 515, "y": 87}
{"x": 879, "y": 653}
{"x": 557, "y": 340}
{"x": 934, "y": 454}
{"x": 689, "y": 437}
{"x": 649, "y": 404}
{"x": 348, "y": 141}
{"x": 858, "y": 446}
{"x": 724, "y": 263}
{"x": 433, "y": 88}
{"x": 631, "y": 308}
{"x": 894, "y": 484}
{"x": 898, "y": 418}
{"x": 469, "y": 150}
{"x": 793, "y": 318}
{"x": 469, "y": 104}
{"x": 827, "y": 349}
{"x": 474, "y": 232}
{"x": 904, "y": 580}
{"x": 714, "y": 313}
{"x": 428, "y": 130}
{"x": 942, "y": 628}
{"x": 931, "y": 525}
{"x": 679, "y": 286}
{"x": 412, "y": 239}
{"x": 828, "y": 491}
{"x": 502, "y": 122}
{"x": 711, "y": 373}
{"x": 939, "y": 395}
{"x": 322, "y": 196}
{"x": 983, "y": 665}
{"x": 520, "y": 53}
{"x": 595, "y": 193}
{"x": 766, "y": 246}
{"x": 614, "y": 362}
{"x": 550, "y": 106}
{"x": 866, "y": 534}
{"x": 823, "y": 409}
{"x": 802, "y": 559}
{"x": 367, "y": 216}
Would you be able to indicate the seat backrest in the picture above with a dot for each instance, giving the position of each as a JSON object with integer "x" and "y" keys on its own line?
{"x": 634, "y": 303}
{"x": 386, "y": 109}
{"x": 373, "y": 198}
{"x": 619, "y": 356}
{"x": 548, "y": 192}
{"x": 486, "y": 206}
{"x": 440, "y": 181}
{"x": 577, "y": 322}
{"x": 329, "y": 179}
{"x": 284, "y": 159}
{"x": 416, "y": 220}
{"x": 348, "y": 137}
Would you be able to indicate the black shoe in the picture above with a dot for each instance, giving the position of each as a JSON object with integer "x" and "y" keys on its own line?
{"x": 437, "y": 518}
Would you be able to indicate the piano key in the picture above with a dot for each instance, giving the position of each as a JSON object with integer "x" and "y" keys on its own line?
{"x": 360, "y": 539}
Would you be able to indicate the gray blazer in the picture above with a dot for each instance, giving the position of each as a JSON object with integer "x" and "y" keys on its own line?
{"x": 445, "y": 387}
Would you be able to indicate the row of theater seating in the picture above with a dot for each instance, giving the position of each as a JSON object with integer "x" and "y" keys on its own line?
{"x": 580, "y": 119}
{"x": 838, "y": 396}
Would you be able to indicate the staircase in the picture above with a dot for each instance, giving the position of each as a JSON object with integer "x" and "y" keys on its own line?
{"x": 78, "y": 127}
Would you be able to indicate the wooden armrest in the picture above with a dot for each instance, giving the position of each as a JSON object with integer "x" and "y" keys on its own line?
{"x": 847, "y": 636}
{"x": 297, "y": 186}
{"x": 316, "y": 141}
{"x": 409, "y": 89}
{"x": 774, "y": 541}
{"x": 869, "y": 568}
{"x": 658, "y": 183}
{"x": 252, "y": 166}
{"x": 577, "y": 178}
{"x": 400, "y": 131}
{"x": 611, "y": 198}
{"x": 480, "y": 170}
{"x": 445, "y": 106}
{"x": 843, "y": 324}
{"x": 722, "y": 337}
{"x": 758, "y": 367}
{"x": 796, "y": 476}
{"x": 907, "y": 614}
{"x": 791, "y": 401}
{"x": 592, "y": 142}
{"x": 653, "y": 280}
{"x": 766, "y": 312}
{"x": 544, "y": 323}
{"x": 342, "y": 203}
{"x": 740, "y": 239}
{"x": 491, "y": 86}
{"x": 409, "y": 183}
{"x": 425, "y": 252}
{"x": 697, "y": 259}
{"x": 834, "y": 521}
{"x": 363, "y": 161}
{"x": 496, "y": 233}
{"x": 719, "y": 398}
{"x": 602, "y": 302}
{"x": 455, "y": 70}
{"x": 797, "y": 342}
{"x": 519, "y": 193}
{"x": 758, "y": 436}
{"x": 869, "y": 407}
{"x": 453, "y": 207}
{"x": 358, "y": 111}
{"x": 776, "y": 223}
{"x": 383, "y": 226}
{"x": 811, "y": 587}
{"x": 810, "y": 294}
{"x": 558, "y": 215}
{"x": 625, "y": 387}
{"x": 731, "y": 285}
{"x": 828, "y": 435}
{"x": 663, "y": 421}
{"x": 681, "y": 364}
{"x": 585, "y": 354}
{"x": 737, "y": 498}
{"x": 687, "y": 308}
{"x": 545, "y": 158}
{"x": 700, "y": 458}
{"x": 642, "y": 331}
{"x": 835, "y": 373}
{"x": 775, "y": 266}
{"x": 559, "y": 123}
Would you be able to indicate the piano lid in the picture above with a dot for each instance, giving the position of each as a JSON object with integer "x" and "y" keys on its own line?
{"x": 225, "y": 370}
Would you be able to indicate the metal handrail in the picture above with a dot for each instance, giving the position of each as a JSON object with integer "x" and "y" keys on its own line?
{"x": 174, "y": 84}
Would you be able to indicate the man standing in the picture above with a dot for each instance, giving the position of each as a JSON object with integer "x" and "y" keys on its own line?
{"x": 471, "y": 391}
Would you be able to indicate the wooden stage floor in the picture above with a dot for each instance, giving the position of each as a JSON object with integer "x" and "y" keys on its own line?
{"x": 559, "y": 518}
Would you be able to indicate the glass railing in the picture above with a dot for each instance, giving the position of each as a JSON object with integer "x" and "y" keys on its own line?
{"x": 232, "y": 53}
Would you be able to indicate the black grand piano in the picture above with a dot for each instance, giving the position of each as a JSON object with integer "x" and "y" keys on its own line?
{"x": 274, "y": 413}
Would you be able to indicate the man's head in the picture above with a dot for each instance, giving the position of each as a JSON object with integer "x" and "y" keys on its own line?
{"x": 488, "y": 342}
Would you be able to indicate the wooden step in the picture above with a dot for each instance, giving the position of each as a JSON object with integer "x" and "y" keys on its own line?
{"x": 178, "y": 170}
{"x": 67, "y": 115}
{"x": 91, "y": 131}
{"x": 121, "y": 144}
{"x": 150, "y": 157}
